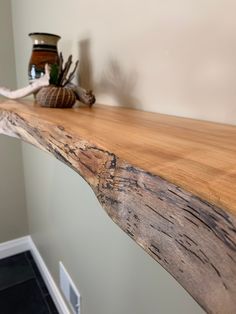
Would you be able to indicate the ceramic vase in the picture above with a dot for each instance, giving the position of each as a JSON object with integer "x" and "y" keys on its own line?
{"x": 44, "y": 51}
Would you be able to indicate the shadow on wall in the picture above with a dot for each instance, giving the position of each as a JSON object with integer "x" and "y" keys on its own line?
{"x": 119, "y": 84}
{"x": 190, "y": 70}
{"x": 114, "y": 81}
{"x": 85, "y": 74}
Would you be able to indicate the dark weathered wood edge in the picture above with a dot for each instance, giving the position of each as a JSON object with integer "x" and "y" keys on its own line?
{"x": 192, "y": 239}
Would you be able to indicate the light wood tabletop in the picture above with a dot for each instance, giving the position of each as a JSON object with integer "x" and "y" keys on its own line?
{"x": 168, "y": 182}
{"x": 197, "y": 155}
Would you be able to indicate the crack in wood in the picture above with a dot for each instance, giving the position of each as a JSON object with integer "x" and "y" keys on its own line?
{"x": 191, "y": 221}
{"x": 160, "y": 230}
{"x": 155, "y": 211}
{"x": 190, "y": 239}
{"x": 190, "y": 251}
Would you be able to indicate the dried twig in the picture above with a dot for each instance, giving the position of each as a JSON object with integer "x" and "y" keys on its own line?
{"x": 71, "y": 74}
{"x": 60, "y": 64}
{"x": 65, "y": 71}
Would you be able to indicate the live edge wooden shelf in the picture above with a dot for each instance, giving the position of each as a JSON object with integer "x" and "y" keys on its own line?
{"x": 168, "y": 182}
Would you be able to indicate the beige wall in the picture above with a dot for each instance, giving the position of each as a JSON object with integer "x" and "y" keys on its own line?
{"x": 7, "y": 55}
{"x": 13, "y": 219}
{"x": 112, "y": 273}
{"x": 175, "y": 57}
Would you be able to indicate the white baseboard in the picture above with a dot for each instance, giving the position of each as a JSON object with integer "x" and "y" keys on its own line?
{"x": 13, "y": 247}
{"x": 50, "y": 283}
{"x": 26, "y": 243}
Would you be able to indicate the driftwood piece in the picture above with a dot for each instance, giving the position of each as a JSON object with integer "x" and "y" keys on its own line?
{"x": 28, "y": 90}
{"x": 83, "y": 95}
{"x": 193, "y": 237}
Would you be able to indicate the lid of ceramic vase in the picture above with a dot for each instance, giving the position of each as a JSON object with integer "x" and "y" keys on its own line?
{"x": 46, "y": 34}
{"x": 44, "y": 39}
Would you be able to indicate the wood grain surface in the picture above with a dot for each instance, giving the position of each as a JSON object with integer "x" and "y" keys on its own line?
{"x": 168, "y": 182}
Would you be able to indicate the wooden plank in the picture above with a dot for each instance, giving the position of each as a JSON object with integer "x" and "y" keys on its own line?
{"x": 168, "y": 182}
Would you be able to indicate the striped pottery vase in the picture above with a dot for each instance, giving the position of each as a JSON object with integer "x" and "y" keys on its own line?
{"x": 44, "y": 51}
{"x": 56, "y": 97}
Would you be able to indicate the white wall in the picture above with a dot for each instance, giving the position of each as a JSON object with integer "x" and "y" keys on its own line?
{"x": 173, "y": 56}
{"x": 13, "y": 219}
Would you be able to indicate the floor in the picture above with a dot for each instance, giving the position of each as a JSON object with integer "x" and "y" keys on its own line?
{"x": 22, "y": 289}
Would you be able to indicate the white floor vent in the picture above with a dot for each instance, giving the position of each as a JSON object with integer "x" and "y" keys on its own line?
{"x": 69, "y": 290}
